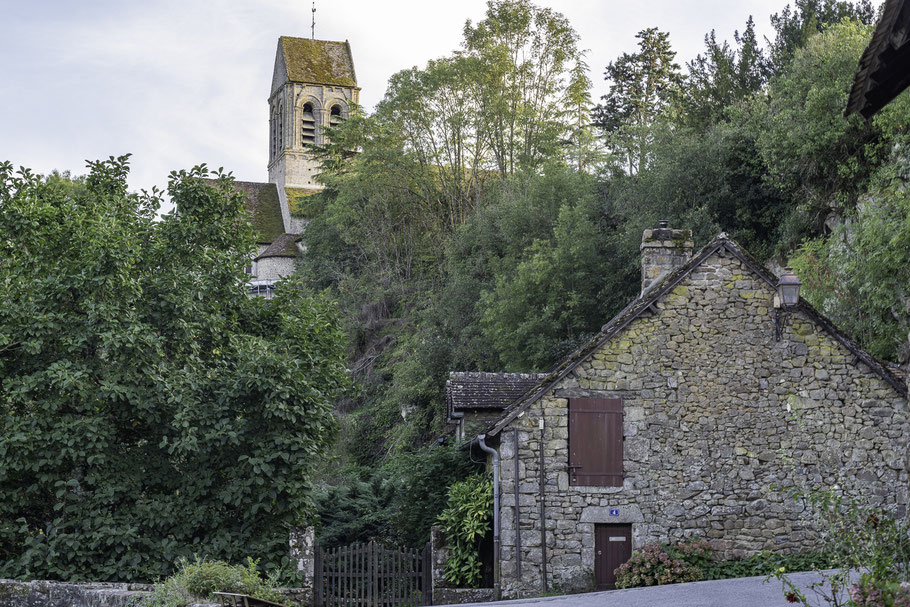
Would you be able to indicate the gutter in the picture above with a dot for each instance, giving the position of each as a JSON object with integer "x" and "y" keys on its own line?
{"x": 497, "y": 587}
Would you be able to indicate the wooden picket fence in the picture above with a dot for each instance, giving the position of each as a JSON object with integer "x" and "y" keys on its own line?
{"x": 372, "y": 575}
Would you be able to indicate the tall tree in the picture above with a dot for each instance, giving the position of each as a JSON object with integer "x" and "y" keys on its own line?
{"x": 149, "y": 408}
{"x": 582, "y": 146}
{"x": 794, "y": 26}
{"x": 642, "y": 87}
{"x": 524, "y": 52}
{"x": 722, "y": 76}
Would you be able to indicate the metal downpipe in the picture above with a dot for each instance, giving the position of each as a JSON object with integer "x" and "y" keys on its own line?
{"x": 497, "y": 587}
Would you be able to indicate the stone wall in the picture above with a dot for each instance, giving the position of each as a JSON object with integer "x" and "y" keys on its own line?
{"x": 716, "y": 413}
{"x": 62, "y": 594}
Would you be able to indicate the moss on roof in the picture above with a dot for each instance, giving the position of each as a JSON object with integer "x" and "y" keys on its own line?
{"x": 263, "y": 203}
{"x": 284, "y": 246}
{"x": 300, "y": 201}
{"x": 318, "y": 61}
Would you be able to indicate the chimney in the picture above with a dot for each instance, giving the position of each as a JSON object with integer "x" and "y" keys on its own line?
{"x": 663, "y": 250}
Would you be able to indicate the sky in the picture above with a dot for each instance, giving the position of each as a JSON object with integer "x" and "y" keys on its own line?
{"x": 181, "y": 82}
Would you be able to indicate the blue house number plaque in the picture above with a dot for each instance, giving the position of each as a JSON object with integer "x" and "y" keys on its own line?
{"x": 614, "y": 511}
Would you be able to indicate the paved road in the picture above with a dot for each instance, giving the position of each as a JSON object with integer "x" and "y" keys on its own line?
{"x": 741, "y": 592}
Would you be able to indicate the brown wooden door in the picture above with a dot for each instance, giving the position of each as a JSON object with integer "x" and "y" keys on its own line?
{"x": 612, "y": 548}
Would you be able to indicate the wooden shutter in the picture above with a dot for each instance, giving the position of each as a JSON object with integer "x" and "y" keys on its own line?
{"x": 595, "y": 442}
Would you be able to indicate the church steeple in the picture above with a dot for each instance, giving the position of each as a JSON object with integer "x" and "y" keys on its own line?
{"x": 313, "y": 86}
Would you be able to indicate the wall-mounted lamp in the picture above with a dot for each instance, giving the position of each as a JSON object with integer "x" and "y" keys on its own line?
{"x": 786, "y": 298}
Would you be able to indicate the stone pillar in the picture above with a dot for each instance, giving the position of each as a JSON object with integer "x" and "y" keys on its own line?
{"x": 438, "y": 558}
{"x": 663, "y": 249}
{"x": 302, "y": 545}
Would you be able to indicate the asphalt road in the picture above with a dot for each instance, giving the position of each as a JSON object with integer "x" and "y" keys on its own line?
{"x": 740, "y": 592}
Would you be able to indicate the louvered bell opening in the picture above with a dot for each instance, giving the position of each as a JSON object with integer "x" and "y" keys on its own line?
{"x": 335, "y": 115}
{"x": 308, "y": 125}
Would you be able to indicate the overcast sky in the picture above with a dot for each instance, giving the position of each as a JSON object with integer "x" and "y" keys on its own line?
{"x": 180, "y": 82}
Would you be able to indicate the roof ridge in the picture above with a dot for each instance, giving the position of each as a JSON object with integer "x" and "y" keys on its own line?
{"x": 649, "y": 297}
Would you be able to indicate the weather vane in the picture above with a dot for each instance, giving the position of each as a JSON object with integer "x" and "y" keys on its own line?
{"x": 313, "y": 24}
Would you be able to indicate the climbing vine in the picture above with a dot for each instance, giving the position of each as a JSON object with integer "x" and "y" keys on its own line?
{"x": 466, "y": 521}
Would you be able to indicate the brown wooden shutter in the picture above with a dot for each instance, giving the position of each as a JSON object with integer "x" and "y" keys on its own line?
{"x": 595, "y": 442}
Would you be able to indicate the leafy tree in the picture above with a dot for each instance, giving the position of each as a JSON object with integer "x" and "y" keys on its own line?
{"x": 809, "y": 149}
{"x": 858, "y": 276}
{"x": 149, "y": 408}
{"x": 642, "y": 87}
{"x": 721, "y": 77}
{"x": 523, "y": 52}
{"x": 795, "y": 26}
{"x": 553, "y": 300}
{"x": 582, "y": 150}
{"x": 396, "y": 502}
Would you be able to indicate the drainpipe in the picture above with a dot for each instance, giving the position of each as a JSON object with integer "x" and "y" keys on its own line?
{"x": 497, "y": 588}
{"x": 517, "y": 511}
{"x": 543, "y": 510}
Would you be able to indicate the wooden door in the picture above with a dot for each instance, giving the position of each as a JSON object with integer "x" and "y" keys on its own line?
{"x": 612, "y": 548}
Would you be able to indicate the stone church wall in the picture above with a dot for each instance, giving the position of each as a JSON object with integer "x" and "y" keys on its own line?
{"x": 720, "y": 420}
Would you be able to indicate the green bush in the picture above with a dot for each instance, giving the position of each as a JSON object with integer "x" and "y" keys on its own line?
{"x": 657, "y": 564}
{"x": 197, "y": 580}
{"x": 465, "y": 522}
{"x": 765, "y": 563}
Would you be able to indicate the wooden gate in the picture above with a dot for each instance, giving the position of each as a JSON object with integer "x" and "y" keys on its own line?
{"x": 372, "y": 575}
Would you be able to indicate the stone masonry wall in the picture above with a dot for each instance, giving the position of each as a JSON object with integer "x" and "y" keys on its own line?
{"x": 716, "y": 412}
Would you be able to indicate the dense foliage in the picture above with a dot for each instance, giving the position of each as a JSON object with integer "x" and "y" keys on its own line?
{"x": 692, "y": 561}
{"x": 195, "y": 581}
{"x": 465, "y": 522}
{"x": 397, "y": 502}
{"x": 476, "y": 230}
{"x": 150, "y": 409}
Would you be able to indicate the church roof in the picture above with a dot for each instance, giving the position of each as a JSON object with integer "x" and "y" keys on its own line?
{"x": 284, "y": 246}
{"x": 318, "y": 61}
{"x": 263, "y": 203}
{"x": 643, "y": 304}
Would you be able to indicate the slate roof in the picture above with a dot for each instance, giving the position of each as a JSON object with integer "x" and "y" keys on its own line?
{"x": 263, "y": 203}
{"x": 284, "y": 246}
{"x": 884, "y": 68}
{"x": 478, "y": 390}
{"x": 721, "y": 244}
{"x": 318, "y": 61}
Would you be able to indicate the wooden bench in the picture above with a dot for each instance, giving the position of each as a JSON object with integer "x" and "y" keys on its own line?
{"x": 243, "y": 600}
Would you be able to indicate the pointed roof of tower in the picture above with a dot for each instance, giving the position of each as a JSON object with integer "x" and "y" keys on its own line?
{"x": 315, "y": 62}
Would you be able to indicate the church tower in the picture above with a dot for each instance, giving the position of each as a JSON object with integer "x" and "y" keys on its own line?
{"x": 313, "y": 86}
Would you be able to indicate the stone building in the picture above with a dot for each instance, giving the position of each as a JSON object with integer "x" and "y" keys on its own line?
{"x": 313, "y": 86}
{"x": 689, "y": 415}
{"x": 474, "y": 399}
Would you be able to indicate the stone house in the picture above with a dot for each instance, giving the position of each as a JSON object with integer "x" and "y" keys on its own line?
{"x": 474, "y": 399}
{"x": 689, "y": 415}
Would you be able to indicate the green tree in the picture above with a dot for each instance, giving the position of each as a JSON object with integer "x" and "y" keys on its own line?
{"x": 859, "y": 275}
{"x": 722, "y": 76}
{"x": 795, "y": 26}
{"x": 643, "y": 86}
{"x": 807, "y": 146}
{"x": 149, "y": 408}
{"x": 523, "y": 53}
